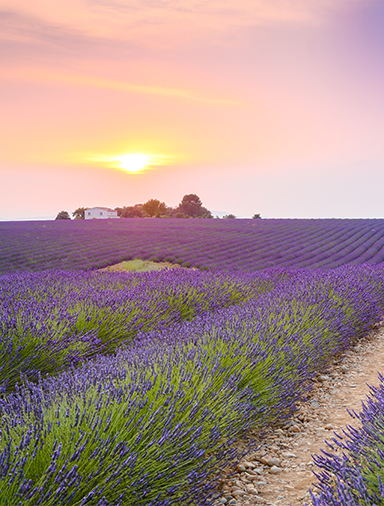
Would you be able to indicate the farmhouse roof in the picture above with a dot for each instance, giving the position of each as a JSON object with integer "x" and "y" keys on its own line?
{"x": 104, "y": 208}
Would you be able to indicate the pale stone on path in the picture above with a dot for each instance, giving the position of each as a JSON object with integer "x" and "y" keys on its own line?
{"x": 275, "y": 470}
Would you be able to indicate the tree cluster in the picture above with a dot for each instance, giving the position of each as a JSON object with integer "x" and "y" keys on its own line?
{"x": 189, "y": 207}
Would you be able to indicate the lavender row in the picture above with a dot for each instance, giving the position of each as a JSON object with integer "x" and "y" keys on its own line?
{"x": 152, "y": 425}
{"x": 52, "y": 319}
{"x": 355, "y": 475}
{"x": 240, "y": 245}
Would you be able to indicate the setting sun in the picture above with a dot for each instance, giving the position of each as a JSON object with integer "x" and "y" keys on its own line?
{"x": 134, "y": 163}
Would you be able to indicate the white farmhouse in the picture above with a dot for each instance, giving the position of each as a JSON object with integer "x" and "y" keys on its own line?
{"x": 100, "y": 213}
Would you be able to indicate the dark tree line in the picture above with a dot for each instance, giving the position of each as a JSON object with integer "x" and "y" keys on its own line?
{"x": 189, "y": 207}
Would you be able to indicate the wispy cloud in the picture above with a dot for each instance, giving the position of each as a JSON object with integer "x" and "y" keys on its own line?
{"x": 31, "y": 33}
{"x": 46, "y": 76}
{"x": 26, "y": 27}
{"x": 117, "y": 30}
{"x": 80, "y": 20}
{"x": 245, "y": 11}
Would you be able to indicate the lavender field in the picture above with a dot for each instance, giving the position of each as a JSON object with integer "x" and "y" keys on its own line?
{"x": 236, "y": 245}
{"x": 130, "y": 388}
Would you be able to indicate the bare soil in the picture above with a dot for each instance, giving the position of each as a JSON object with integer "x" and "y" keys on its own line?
{"x": 287, "y": 450}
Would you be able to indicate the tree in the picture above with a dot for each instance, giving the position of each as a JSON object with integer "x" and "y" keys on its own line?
{"x": 154, "y": 208}
{"x": 169, "y": 212}
{"x": 135, "y": 211}
{"x": 192, "y": 207}
{"x": 256, "y": 217}
{"x": 179, "y": 215}
{"x": 63, "y": 215}
{"x": 229, "y": 217}
{"x": 79, "y": 213}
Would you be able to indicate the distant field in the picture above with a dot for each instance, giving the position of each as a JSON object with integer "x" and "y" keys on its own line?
{"x": 241, "y": 245}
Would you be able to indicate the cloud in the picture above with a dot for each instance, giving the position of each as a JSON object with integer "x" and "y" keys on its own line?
{"x": 245, "y": 11}
{"x": 81, "y": 20}
{"x": 28, "y": 38}
{"x": 47, "y": 76}
{"x": 115, "y": 29}
{"x": 19, "y": 26}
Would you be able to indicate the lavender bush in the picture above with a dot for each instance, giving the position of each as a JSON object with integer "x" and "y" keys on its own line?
{"x": 355, "y": 476}
{"x": 152, "y": 423}
{"x": 52, "y": 319}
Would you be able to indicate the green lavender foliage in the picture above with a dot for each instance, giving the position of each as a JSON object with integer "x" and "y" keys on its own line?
{"x": 53, "y": 319}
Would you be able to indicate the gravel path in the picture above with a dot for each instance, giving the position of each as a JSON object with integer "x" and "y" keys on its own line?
{"x": 281, "y": 471}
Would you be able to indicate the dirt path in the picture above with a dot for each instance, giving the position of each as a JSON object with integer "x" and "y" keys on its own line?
{"x": 280, "y": 473}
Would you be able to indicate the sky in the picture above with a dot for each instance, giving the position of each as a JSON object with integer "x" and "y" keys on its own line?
{"x": 257, "y": 106}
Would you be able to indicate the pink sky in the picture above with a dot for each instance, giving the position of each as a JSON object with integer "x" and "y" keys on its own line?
{"x": 267, "y": 106}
